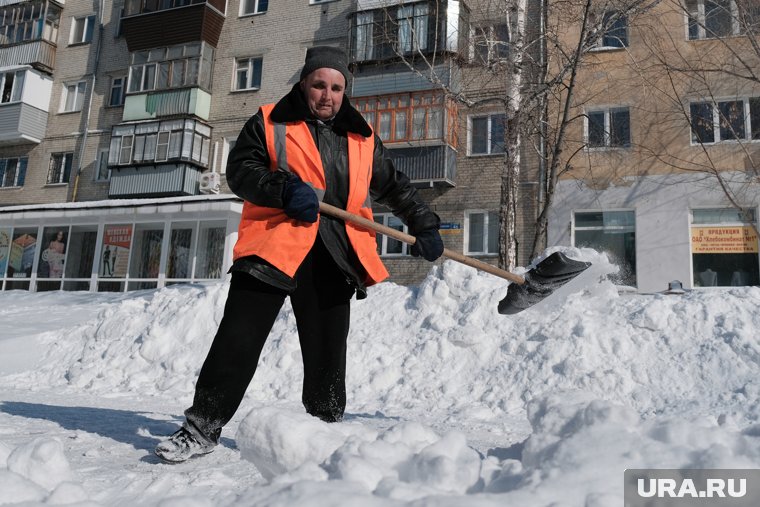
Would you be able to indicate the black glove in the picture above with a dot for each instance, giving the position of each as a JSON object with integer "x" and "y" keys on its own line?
{"x": 299, "y": 200}
{"x": 429, "y": 245}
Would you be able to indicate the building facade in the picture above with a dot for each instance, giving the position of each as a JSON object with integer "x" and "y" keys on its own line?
{"x": 665, "y": 177}
{"x": 117, "y": 117}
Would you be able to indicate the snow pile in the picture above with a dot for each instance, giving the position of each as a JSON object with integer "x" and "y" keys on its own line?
{"x": 39, "y": 471}
{"x": 449, "y": 403}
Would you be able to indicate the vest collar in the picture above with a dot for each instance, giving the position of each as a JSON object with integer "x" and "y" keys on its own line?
{"x": 292, "y": 107}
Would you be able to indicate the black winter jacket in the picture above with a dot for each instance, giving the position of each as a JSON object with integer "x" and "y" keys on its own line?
{"x": 249, "y": 177}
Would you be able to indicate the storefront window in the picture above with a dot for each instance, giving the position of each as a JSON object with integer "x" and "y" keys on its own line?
{"x": 210, "y": 257}
{"x": 724, "y": 247}
{"x": 612, "y": 232}
{"x": 5, "y": 246}
{"x": 114, "y": 256}
{"x": 80, "y": 256}
{"x": 53, "y": 252}
{"x": 146, "y": 251}
{"x": 21, "y": 256}
{"x": 179, "y": 263}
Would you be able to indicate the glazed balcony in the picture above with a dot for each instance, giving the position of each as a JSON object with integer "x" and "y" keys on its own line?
{"x": 28, "y": 33}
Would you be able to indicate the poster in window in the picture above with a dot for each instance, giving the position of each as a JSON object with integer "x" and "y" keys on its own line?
{"x": 21, "y": 257}
{"x": 54, "y": 239}
{"x": 723, "y": 240}
{"x": 5, "y": 245}
{"x": 115, "y": 255}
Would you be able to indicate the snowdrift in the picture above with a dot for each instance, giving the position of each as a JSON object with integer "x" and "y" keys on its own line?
{"x": 447, "y": 399}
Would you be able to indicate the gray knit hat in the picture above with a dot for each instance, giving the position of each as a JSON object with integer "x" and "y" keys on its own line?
{"x": 320, "y": 57}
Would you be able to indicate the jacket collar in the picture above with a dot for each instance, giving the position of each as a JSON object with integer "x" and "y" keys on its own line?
{"x": 292, "y": 107}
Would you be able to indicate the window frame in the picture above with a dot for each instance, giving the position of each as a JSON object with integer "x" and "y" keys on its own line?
{"x": 496, "y": 49}
{"x": 122, "y": 88}
{"x": 256, "y": 11}
{"x": 19, "y": 176}
{"x": 608, "y": 112}
{"x": 606, "y": 31}
{"x": 751, "y": 130}
{"x": 16, "y": 94}
{"x": 250, "y": 73}
{"x": 489, "y": 134}
{"x": 64, "y": 171}
{"x": 78, "y": 103}
{"x": 696, "y": 20}
{"x": 88, "y": 30}
{"x": 383, "y": 240}
{"x": 631, "y": 227}
{"x": 488, "y": 216}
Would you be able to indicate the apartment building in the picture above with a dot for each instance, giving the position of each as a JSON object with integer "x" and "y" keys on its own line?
{"x": 665, "y": 172}
{"x": 117, "y": 117}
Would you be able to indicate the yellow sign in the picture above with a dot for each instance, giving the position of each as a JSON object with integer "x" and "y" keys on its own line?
{"x": 732, "y": 239}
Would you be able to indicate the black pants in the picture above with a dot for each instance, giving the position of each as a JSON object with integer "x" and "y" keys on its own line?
{"x": 321, "y": 304}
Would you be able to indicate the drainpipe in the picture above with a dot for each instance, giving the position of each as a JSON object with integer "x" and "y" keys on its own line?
{"x": 89, "y": 102}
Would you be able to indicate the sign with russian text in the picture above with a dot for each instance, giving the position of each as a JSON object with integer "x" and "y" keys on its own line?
{"x": 732, "y": 239}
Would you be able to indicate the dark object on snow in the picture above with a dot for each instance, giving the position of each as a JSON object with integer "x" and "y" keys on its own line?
{"x": 675, "y": 287}
{"x": 549, "y": 275}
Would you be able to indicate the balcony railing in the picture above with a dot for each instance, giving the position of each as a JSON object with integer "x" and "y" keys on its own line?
{"x": 21, "y": 123}
{"x": 186, "y": 101}
{"x": 427, "y": 165}
{"x": 162, "y": 180}
{"x": 39, "y": 54}
{"x": 147, "y": 27}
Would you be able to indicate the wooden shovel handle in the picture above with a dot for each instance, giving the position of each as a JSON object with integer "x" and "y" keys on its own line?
{"x": 410, "y": 240}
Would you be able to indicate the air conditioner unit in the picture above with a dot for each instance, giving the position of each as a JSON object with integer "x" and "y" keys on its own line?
{"x": 209, "y": 183}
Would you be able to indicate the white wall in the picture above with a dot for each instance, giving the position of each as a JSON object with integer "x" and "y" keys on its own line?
{"x": 662, "y": 205}
{"x": 37, "y": 90}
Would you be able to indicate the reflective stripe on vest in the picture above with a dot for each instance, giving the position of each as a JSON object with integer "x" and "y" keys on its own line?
{"x": 283, "y": 242}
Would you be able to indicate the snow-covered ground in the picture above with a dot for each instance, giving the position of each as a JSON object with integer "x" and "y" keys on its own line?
{"x": 449, "y": 403}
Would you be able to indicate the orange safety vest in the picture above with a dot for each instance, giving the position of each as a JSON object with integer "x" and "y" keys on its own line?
{"x": 284, "y": 242}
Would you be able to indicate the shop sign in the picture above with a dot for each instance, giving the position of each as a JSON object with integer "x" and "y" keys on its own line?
{"x": 728, "y": 240}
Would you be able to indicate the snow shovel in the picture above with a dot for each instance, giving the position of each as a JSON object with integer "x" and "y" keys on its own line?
{"x": 556, "y": 275}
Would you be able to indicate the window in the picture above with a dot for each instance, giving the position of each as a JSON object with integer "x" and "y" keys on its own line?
{"x": 228, "y": 143}
{"x": 12, "y": 171}
{"x": 102, "y": 173}
{"x": 487, "y": 134}
{"x": 408, "y": 116}
{"x": 612, "y": 232}
{"x": 412, "y": 27}
{"x": 247, "y": 74}
{"x": 159, "y": 142}
{"x": 608, "y": 128}
{"x": 386, "y": 245}
{"x": 364, "y": 39}
{"x": 253, "y": 7}
{"x": 481, "y": 232}
{"x": 708, "y": 19}
{"x": 60, "y": 168}
{"x": 724, "y": 247}
{"x": 177, "y": 66}
{"x": 725, "y": 120}
{"x": 490, "y": 44}
{"x": 116, "y": 97}
{"x": 73, "y": 96}
{"x": 81, "y": 29}
{"x": 613, "y": 30}
{"x": 11, "y": 86}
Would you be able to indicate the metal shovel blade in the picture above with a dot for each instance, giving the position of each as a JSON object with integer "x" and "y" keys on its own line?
{"x": 546, "y": 278}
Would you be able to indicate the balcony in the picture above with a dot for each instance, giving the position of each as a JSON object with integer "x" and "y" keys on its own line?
{"x": 395, "y": 29}
{"x": 160, "y": 180}
{"x": 40, "y": 54}
{"x": 427, "y": 165}
{"x": 184, "y": 102}
{"x": 28, "y": 32}
{"x": 155, "y": 23}
{"x": 24, "y": 104}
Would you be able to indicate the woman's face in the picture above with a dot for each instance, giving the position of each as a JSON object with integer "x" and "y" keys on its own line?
{"x": 323, "y": 90}
{"x": 59, "y": 236}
